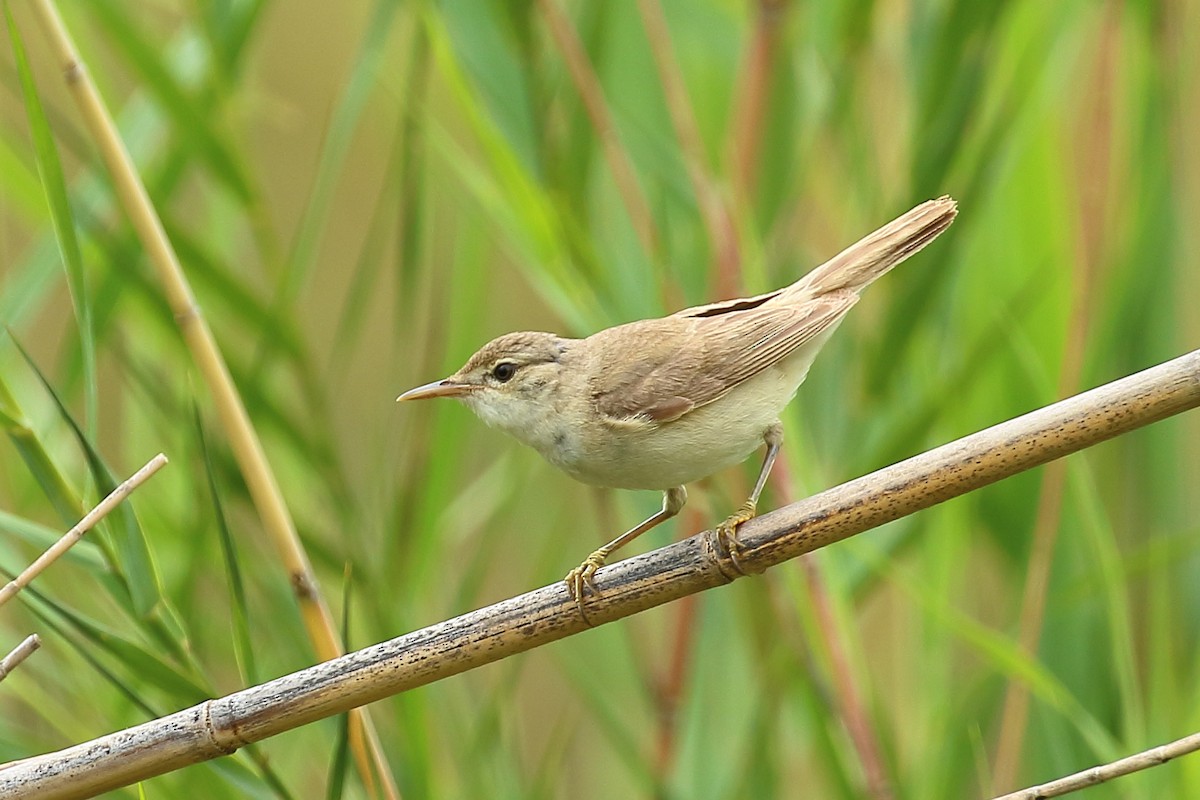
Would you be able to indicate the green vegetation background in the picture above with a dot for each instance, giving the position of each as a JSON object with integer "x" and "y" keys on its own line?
{"x": 363, "y": 193}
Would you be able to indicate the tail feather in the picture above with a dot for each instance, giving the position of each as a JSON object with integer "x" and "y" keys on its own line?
{"x": 872, "y": 256}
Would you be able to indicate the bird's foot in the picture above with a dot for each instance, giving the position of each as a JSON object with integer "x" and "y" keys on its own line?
{"x": 582, "y": 578}
{"x": 727, "y": 539}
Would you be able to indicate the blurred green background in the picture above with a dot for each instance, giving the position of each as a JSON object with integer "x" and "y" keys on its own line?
{"x": 362, "y": 194}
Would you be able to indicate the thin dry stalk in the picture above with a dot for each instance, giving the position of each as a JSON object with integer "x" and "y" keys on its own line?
{"x": 849, "y": 699}
{"x": 714, "y": 212}
{"x": 592, "y": 95}
{"x": 754, "y": 85}
{"x": 853, "y": 711}
{"x": 68, "y": 539}
{"x": 219, "y": 727}
{"x": 674, "y": 680}
{"x": 19, "y": 653}
{"x": 247, "y": 450}
{"x": 1093, "y": 182}
{"x": 1153, "y": 757}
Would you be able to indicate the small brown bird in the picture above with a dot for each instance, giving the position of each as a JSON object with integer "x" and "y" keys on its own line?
{"x": 659, "y": 403}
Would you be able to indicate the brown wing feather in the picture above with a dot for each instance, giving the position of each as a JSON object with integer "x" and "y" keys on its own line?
{"x": 726, "y": 306}
{"x": 665, "y": 379}
{"x": 765, "y": 336}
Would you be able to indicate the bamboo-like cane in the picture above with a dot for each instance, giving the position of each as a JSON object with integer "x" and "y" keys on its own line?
{"x": 221, "y": 726}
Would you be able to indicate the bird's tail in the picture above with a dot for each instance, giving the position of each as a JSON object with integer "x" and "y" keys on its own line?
{"x": 872, "y": 256}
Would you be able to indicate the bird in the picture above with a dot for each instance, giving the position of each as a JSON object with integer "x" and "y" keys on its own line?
{"x": 659, "y": 403}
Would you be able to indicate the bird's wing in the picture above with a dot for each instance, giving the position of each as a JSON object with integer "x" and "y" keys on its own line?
{"x": 700, "y": 358}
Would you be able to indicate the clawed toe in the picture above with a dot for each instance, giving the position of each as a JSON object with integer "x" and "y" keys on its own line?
{"x": 582, "y": 578}
{"x": 727, "y": 538}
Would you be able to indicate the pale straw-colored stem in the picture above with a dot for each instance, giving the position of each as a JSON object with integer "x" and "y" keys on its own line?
{"x": 68, "y": 540}
{"x": 247, "y": 450}
{"x": 19, "y": 653}
{"x": 219, "y": 727}
{"x": 1153, "y": 757}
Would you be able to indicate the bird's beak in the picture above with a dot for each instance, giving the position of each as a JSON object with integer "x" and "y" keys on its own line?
{"x": 442, "y": 388}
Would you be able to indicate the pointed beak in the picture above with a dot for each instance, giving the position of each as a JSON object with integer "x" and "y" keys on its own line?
{"x": 442, "y": 388}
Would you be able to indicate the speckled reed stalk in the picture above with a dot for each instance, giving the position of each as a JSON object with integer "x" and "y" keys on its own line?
{"x": 218, "y": 727}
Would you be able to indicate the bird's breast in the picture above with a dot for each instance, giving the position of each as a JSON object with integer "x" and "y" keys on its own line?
{"x": 637, "y": 454}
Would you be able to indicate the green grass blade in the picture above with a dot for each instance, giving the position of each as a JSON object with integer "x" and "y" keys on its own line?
{"x": 41, "y": 466}
{"x": 188, "y": 117}
{"x": 83, "y": 554}
{"x": 19, "y": 187}
{"x": 130, "y": 547}
{"x": 333, "y": 155}
{"x": 49, "y": 613}
{"x": 62, "y": 218}
{"x": 243, "y": 644}
{"x": 142, "y": 663}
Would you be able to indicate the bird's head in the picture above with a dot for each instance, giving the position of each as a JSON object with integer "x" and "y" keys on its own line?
{"x": 510, "y": 382}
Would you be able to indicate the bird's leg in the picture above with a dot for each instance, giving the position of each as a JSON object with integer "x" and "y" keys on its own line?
{"x": 582, "y": 576}
{"x": 727, "y": 531}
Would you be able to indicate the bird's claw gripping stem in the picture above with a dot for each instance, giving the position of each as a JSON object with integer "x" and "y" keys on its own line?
{"x": 727, "y": 540}
{"x": 582, "y": 578}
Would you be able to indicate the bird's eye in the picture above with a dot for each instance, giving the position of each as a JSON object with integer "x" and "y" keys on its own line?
{"x": 504, "y": 371}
